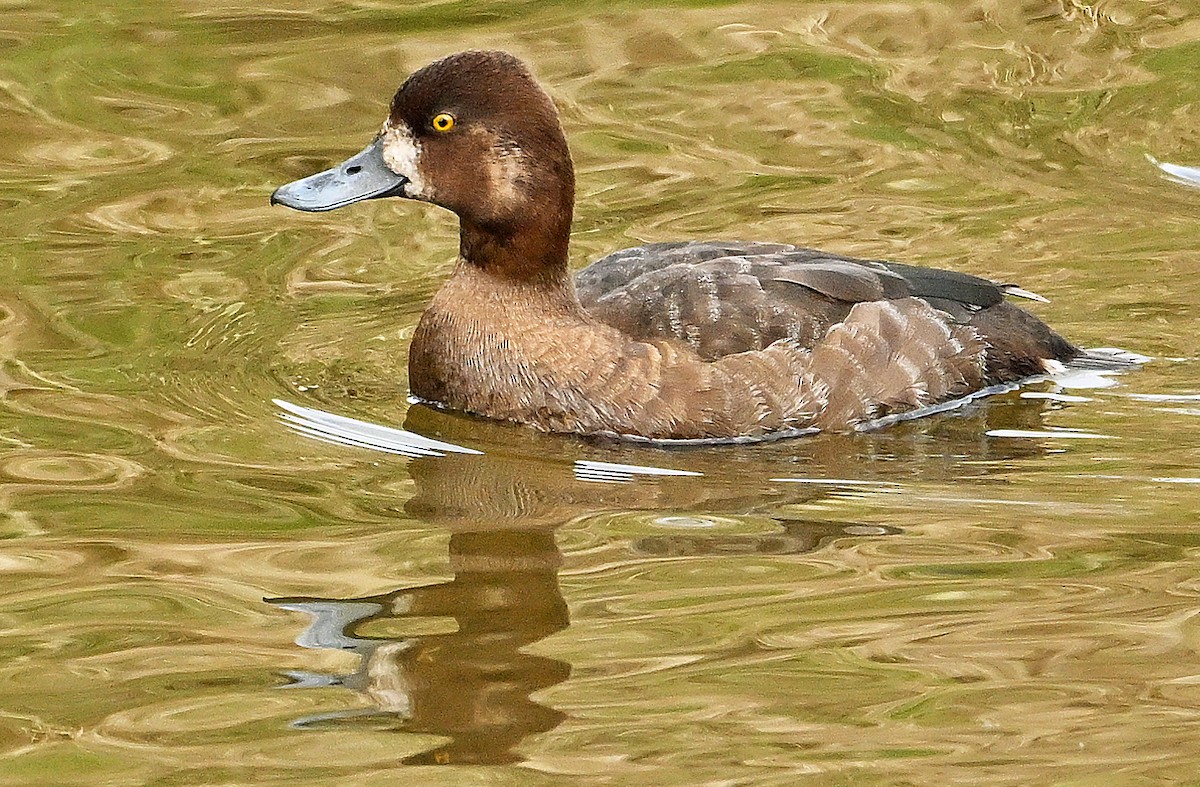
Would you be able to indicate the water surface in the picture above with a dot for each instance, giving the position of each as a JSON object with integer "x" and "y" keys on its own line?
{"x": 197, "y": 592}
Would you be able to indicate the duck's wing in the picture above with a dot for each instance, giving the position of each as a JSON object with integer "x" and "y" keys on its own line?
{"x": 729, "y": 297}
{"x": 618, "y": 269}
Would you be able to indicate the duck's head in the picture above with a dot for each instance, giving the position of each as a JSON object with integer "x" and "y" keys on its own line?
{"x": 473, "y": 133}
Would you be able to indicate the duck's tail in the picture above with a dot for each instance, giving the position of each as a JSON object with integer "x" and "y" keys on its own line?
{"x": 1109, "y": 359}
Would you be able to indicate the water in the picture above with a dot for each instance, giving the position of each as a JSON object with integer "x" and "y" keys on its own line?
{"x": 196, "y": 592}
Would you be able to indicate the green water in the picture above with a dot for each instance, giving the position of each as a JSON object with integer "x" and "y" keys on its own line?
{"x": 193, "y": 593}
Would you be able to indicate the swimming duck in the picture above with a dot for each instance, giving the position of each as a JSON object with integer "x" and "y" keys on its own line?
{"x": 668, "y": 341}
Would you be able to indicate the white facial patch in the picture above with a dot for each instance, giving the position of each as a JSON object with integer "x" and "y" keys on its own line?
{"x": 402, "y": 154}
{"x": 506, "y": 170}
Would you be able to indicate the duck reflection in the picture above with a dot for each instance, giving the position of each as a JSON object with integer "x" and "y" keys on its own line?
{"x": 471, "y": 684}
{"x": 449, "y": 659}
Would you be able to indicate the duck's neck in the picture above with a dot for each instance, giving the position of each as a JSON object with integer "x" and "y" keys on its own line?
{"x": 531, "y": 254}
{"x": 517, "y": 267}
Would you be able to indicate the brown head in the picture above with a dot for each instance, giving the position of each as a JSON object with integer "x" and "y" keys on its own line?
{"x": 473, "y": 133}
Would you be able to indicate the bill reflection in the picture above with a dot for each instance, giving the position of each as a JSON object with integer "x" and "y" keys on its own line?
{"x": 470, "y": 683}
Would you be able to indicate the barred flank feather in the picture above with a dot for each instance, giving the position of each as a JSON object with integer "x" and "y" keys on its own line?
{"x": 894, "y": 356}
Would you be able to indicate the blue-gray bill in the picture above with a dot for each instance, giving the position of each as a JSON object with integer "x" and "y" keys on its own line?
{"x": 362, "y": 176}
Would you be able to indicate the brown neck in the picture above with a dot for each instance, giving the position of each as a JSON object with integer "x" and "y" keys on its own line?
{"x": 530, "y": 262}
{"x": 527, "y": 253}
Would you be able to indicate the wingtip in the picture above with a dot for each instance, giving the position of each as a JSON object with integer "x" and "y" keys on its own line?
{"x": 1018, "y": 292}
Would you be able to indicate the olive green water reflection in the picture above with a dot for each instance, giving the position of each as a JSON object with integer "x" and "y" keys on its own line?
{"x": 948, "y": 606}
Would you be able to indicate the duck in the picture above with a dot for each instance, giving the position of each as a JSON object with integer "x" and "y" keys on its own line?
{"x": 705, "y": 341}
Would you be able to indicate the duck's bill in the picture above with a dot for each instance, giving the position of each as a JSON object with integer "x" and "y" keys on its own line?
{"x": 362, "y": 176}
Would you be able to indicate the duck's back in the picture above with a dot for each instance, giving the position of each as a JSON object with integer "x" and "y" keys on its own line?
{"x": 723, "y": 298}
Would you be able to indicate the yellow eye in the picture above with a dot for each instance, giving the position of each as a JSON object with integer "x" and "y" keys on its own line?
{"x": 443, "y": 122}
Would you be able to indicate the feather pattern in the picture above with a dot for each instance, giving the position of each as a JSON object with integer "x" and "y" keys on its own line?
{"x": 771, "y": 291}
{"x": 771, "y": 355}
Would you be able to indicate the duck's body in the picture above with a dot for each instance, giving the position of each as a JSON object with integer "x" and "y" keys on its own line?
{"x": 666, "y": 341}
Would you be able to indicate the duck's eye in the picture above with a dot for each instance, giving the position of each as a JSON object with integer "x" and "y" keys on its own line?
{"x": 443, "y": 122}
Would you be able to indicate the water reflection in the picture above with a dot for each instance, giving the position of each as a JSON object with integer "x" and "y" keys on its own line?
{"x": 471, "y": 685}
{"x": 450, "y": 659}
{"x": 798, "y": 536}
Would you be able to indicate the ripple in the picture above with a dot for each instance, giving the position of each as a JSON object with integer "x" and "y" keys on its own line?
{"x": 340, "y": 430}
{"x": 685, "y": 522}
{"x": 206, "y": 289}
{"x": 1064, "y": 434}
{"x": 148, "y": 214}
{"x": 1185, "y": 176}
{"x": 16, "y": 559}
{"x": 99, "y": 409}
{"x": 47, "y": 468}
{"x": 143, "y": 109}
{"x": 615, "y": 473}
{"x": 103, "y": 154}
{"x": 250, "y": 746}
{"x": 176, "y": 210}
{"x": 197, "y": 715}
